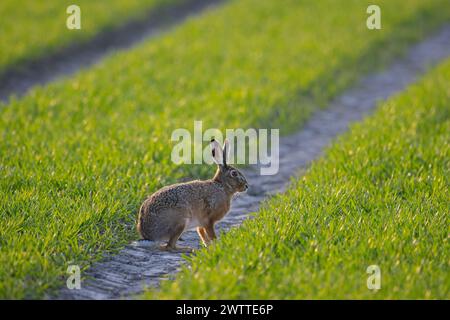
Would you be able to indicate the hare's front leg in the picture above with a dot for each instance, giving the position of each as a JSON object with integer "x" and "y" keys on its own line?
{"x": 202, "y": 234}
{"x": 210, "y": 231}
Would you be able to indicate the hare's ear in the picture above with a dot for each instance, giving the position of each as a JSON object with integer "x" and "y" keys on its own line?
{"x": 217, "y": 152}
{"x": 226, "y": 152}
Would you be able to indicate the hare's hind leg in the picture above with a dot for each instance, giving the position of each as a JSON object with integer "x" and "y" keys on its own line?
{"x": 171, "y": 245}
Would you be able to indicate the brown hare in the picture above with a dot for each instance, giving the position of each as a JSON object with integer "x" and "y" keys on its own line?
{"x": 170, "y": 211}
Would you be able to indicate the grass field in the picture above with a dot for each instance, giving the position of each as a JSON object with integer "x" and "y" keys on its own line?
{"x": 378, "y": 197}
{"x": 36, "y": 28}
{"x": 78, "y": 156}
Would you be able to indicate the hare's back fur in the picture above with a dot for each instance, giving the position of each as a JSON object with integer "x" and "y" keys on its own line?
{"x": 180, "y": 207}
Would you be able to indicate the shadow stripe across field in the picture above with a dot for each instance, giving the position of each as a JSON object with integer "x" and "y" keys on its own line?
{"x": 66, "y": 61}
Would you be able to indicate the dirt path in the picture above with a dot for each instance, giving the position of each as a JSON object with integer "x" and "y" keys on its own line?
{"x": 125, "y": 274}
{"x": 70, "y": 59}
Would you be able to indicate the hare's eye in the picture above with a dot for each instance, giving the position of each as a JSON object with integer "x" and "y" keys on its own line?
{"x": 233, "y": 173}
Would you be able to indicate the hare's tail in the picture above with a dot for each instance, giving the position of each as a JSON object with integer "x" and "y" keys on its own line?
{"x": 145, "y": 243}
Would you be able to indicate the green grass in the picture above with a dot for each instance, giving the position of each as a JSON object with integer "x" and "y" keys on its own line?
{"x": 378, "y": 197}
{"x": 33, "y": 28}
{"x": 78, "y": 156}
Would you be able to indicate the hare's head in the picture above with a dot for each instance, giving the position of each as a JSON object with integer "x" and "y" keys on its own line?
{"x": 229, "y": 176}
